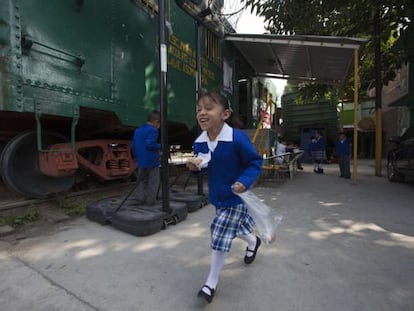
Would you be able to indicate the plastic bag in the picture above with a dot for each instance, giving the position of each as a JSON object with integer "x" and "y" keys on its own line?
{"x": 266, "y": 221}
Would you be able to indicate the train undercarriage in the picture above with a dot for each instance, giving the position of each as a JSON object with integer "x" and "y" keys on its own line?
{"x": 38, "y": 174}
{"x": 40, "y": 162}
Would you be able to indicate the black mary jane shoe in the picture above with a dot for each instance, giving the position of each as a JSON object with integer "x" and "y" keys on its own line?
{"x": 248, "y": 260}
{"x": 207, "y": 297}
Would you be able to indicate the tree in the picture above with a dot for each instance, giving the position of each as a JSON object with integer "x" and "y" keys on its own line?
{"x": 352, "y": 18}
{"x": 387, "y": 24}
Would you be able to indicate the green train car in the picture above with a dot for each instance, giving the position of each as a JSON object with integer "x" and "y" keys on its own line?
{"x": 78, "y": 76}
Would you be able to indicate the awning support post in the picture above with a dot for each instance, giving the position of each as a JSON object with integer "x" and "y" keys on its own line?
{"x": 356, "y": 95}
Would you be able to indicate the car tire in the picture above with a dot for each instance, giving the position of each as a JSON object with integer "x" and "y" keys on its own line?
{"x": 392, "y": 172}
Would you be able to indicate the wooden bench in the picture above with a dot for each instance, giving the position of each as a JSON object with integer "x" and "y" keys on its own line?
{"x": 274, "y": 171}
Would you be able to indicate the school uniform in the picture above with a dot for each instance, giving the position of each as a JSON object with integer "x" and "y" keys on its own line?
{"x": 343, "y": 151}
{"x": 146, "y": 151}
{"x": 319, "y": 153}
{"x": 231, "y": 157}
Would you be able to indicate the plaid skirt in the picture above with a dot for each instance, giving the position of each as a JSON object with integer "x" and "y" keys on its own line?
{"x": 228, "y": 223}
{"x": 318, "y": 155}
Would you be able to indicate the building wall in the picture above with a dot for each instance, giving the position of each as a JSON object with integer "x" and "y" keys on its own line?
{"x": 394, "y": 119}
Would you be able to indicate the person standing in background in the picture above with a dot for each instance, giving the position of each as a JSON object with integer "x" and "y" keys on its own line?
{"x": 319, "y": 152}
{"x": 146, "y": 150}
{"x": 343, "y": 151}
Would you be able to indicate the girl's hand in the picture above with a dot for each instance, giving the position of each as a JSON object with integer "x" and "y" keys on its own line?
{"x": 238, "y": 187}
{"x": 193, "y": 163}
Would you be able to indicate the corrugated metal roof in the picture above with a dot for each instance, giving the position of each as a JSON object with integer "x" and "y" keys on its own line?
{"x": 312, "y": 58}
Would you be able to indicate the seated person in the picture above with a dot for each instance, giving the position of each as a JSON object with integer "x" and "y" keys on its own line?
{"x": 294, "y": 149}
{"x": 280, "y": 151}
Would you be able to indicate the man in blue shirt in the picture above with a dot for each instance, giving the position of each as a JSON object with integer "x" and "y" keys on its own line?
{"x": 146, "y": 150}
{"x": 343, "y": 150}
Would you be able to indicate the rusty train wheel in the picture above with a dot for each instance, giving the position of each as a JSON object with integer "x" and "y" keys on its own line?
{"x": 19, "y": 167}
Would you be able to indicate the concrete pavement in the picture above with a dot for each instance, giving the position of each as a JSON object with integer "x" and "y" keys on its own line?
{"x": 340, "y": 246}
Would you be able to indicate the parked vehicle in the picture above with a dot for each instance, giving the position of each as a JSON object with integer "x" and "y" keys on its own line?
{"x": 77, "y": 77}
{"x": 400, "y": 164}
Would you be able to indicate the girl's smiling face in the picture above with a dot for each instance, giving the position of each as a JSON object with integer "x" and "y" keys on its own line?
{"x": 211, "y": 114}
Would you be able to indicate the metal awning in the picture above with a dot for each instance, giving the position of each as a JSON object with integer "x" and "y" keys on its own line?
{"x": 312, "y": 58}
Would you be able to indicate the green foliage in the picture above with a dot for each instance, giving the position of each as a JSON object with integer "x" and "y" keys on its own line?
{"x": 31, "y": 214}
{"x": 308, "y": 92}
{"x": 71, "y": 207}
{"x": 352, "y": 18}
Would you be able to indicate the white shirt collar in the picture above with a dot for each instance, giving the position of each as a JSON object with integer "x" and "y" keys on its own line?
{"x": 226, "y": 134}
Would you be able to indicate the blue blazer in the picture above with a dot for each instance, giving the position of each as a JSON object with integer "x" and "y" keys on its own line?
{"x": 234, "y": 159}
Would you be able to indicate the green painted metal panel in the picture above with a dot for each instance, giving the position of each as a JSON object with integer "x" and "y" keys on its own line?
{"x": 58, "y": 35}
{"x": 312, "y": 114}
{"x": 57, "y": 56}
{"x": 10, "y": 57}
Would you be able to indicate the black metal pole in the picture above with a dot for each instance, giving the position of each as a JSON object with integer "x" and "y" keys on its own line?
{"x": 198, "y": 87}
{"x": 163, "y": 109}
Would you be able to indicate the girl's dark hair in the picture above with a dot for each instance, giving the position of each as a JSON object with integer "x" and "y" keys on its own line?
{"x": 218, "y": 97}
{"x": 223, "y": 101}
{"x": 155, "y": 115}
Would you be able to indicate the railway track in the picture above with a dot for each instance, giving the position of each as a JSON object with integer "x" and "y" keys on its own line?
{"x": 10, "y": 201}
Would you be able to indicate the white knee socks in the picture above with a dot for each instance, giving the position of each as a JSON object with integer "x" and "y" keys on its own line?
{"x": 217, "y": 262}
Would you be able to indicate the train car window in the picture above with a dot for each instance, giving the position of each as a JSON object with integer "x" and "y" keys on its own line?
{"x": 212, "y": 48}
{"x": 150, "y": 5}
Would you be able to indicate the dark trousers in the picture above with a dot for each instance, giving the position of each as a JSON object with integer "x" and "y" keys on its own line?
{"x": 148, "y": 181}
{"x": 344, "y": 166}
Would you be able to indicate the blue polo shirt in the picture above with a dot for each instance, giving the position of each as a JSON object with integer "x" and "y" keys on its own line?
{"x": 145, "y": 146}
{"x": 343, "y": 148}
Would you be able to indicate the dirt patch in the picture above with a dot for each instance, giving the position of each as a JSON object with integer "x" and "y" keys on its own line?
{"x": 54, "y": 213}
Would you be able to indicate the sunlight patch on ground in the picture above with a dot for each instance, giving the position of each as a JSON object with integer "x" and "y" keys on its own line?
{"x": 119, "y": 247}
{"x": 80, "y": 243}
{"x": 348, "y": 227}
{"x": 166, "y": 244}
{"x": 362, "y": 229}
{"x": 328, "y": 204}
{"x": 398, "y": 239}
{"x": 90, "y": 253}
